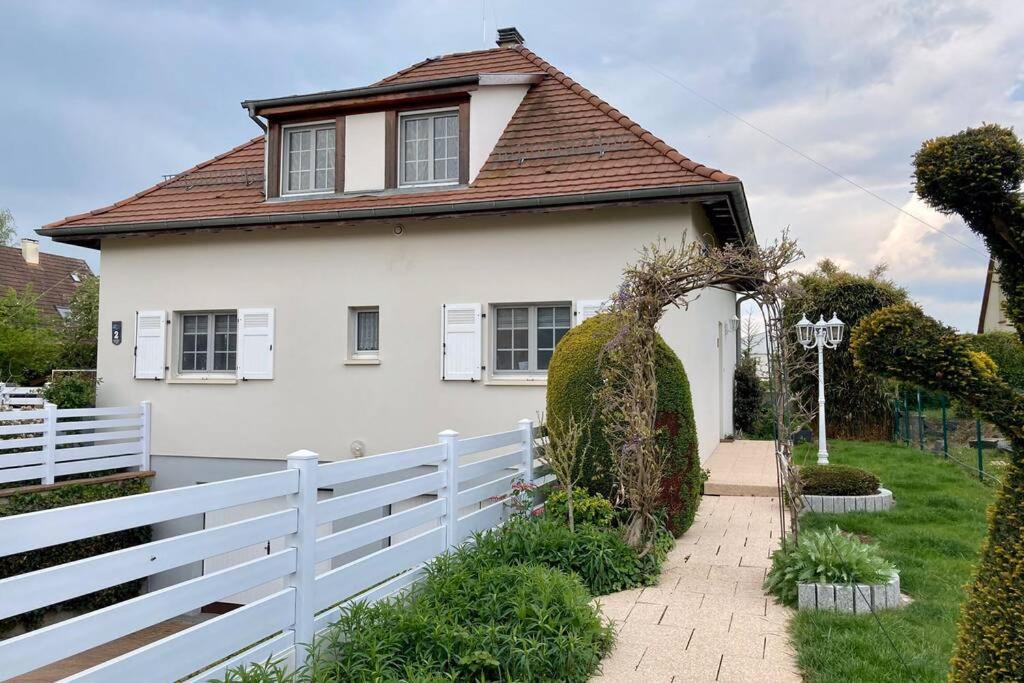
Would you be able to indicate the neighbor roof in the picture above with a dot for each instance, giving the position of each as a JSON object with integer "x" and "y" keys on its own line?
{"x": 563, "y": 146}
{"x": 51, "y": 279}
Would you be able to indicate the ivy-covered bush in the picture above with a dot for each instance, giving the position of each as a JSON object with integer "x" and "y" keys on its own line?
{"x": 73, "y": 494}
{"x": 573, "y": 376}
{"x": 837, "y": 480}
{"x": 599, "y": 556}
{"x": 829, "y": 556}
{"x": 1006, "y": 350}
{"x": 587, "y": 509}
{"x": 858, "y": 403}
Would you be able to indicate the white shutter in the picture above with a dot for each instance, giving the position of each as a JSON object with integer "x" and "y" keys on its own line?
{"x": 460, "y": 341}
{"x": 255, "y": 343}
{"x": 588, "y": 308}
{"x": 150, "y": 344}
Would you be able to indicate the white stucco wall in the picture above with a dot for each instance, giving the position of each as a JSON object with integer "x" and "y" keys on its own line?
{"x": 311, "y": 276}
{"x": 364, "y": 152}
{"x": 490, "y": 109}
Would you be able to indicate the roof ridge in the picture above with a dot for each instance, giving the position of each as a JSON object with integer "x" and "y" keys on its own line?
{"x": 428, "y": 60}
{"x": 152, "y": 188}
{"x": 629, "y": 124}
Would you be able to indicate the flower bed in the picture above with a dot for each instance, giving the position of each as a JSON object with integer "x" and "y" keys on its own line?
{"x": 878, "y": 502}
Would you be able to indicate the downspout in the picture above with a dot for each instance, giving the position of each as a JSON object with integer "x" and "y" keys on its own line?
{"x": 251, "y": 109}
{"x": 252, "y": 115}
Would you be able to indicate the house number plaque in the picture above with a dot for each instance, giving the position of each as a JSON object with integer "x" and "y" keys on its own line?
{"x": 115, "y": 332}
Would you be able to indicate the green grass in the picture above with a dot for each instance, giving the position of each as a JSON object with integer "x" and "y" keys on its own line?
{"x": 932, "y": 536}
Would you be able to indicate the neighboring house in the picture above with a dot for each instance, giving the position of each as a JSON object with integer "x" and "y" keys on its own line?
{"x": 51, "y": 279}
{"x": 993, "y": 317}
{"x": 389, "y": 261}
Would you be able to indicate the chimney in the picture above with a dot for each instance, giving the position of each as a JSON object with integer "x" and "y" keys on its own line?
{"x": 509, "y": 37}
{"x": 30, "y": 251}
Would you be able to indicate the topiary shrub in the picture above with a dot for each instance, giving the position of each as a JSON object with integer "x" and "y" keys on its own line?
{"x": 573, "y": 376}
{"x": 837, "y": 480}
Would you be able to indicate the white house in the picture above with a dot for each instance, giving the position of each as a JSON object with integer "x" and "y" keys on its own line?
{"x": 390, "y": 260}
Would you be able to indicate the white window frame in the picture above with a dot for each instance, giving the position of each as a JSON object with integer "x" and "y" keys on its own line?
{"x": 179, "y": 343}
{"x": 532, "y": 348}
{"x": 431, "y": 114}
{"x": 285, "y": 157}
{"x": 354, "y": 353}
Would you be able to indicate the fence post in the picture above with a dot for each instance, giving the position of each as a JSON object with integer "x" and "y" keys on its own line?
{"x": 945, "y": 428}
{"x": 304, "y": 542}
{"x": 147, "y": 431}
{"x": 50, "y": 445}
{"x": 977, "y": 437}
{"x": 526, "y": 429}
{"x": 920, "y": 422}
{"x": 448, "y": 439}
{"x": 906, "y": 420}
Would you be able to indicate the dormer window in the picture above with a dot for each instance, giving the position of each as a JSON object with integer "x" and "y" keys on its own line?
{"x": 307, "y": 159}
{"x": 429, "y": 148}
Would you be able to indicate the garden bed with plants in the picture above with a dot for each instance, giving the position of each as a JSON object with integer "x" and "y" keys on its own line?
{"x": 933, "y": 537}
{"x": 840, "y": 489}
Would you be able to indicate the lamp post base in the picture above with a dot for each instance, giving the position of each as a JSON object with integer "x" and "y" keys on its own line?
{"x": 822, "y": 458}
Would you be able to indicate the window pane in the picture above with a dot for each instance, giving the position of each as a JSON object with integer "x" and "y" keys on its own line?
{"x": 504, "y": 340}
{"x": 562, "y": 316}
{"x": 545, "y": 338}
{"x": 521, "y": 317}
{"x": 545, "y": 316}
{"x": 521, "y": 339}
{"x": 521, "y": 360}
{"x": 543, "y": 359}
{"x": 367, "y": 331}
{"x": 504, "y": 360}
{"x": 504, "y": 317}
{"x": 189, "y": 343}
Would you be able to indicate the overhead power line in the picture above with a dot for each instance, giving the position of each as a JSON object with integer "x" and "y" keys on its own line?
{"x": 814, "y": 161}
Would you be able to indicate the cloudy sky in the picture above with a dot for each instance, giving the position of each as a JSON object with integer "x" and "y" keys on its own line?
{"x": 102, "y": 98}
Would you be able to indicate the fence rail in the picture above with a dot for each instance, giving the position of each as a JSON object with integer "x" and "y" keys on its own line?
{"x": 36, "y": 446}
{"x": 458, "y": 486}
{"x": 20, "y": 397}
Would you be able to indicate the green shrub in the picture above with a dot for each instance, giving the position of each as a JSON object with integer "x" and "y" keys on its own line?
{"x": 824, "y": 557}
{"x": 586, "y": 509}
{"x": 748, "y": 395}
{"x": 599, "y": 556}
{"x": 573, "y": 376}
{"x": 837, "y": 480}
{"x": 467, "y": 620}
{"x": 71, "y": 391}
{"x": 1006, "y": 350}
{"x": 29, "y": 343}
{"x": 73, "y": 494}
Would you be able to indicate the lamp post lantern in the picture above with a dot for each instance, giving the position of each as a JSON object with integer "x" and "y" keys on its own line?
{"x": 824, "y": 335}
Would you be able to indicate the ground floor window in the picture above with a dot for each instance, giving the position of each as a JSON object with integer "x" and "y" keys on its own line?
{"x": 525, "y": 335}
{"x": 209, "y": 341}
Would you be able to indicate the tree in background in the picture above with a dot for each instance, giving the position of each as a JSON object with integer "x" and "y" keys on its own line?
{"x": 1006, "y": 349}
{"x": 977, "y": 174}
{"x": 81, "y": 327}
{"x": 29, "y": 342}
{"x": 858, "y": 405}
{"x": 748, "y": 395}
{"x": 8, "y": 230}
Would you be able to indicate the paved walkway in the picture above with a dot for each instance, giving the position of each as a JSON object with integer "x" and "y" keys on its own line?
{"x": 707, "y": 619}
{"x": 742, "y": 468}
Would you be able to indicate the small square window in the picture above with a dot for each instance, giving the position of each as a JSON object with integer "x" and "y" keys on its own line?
{"x": 307, "y": 159}
{"x": 429, "y": 148}
{"x": 364, "y": 332}
{"x": 208, "y": 342}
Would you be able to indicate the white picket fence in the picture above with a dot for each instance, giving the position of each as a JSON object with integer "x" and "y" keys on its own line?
{"x": 20, "y": 397}
{"x": 38, "y": 445}
{"x": 466, "y": 480}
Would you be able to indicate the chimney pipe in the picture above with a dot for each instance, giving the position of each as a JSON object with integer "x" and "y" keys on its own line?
{"x": 30, "y": 251}
{"x": 509, "y": 37}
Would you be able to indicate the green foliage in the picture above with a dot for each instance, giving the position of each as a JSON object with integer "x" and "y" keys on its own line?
{"x": 29, "y": 343}
{"x": 573, "y": 377}
{"x": 80, "y": 329}
{"x": 837, "y": 480}
{"x": 73, "y": 494}
{"x": 748, "y": 395}
{"x": 587, "y": 509}
{"x": 828, "y": 556}
{"x": 858, "y": 404}
{"x": 1006, "y": 350}
{"x": 71, "y": 391}
{"x": 599, "y": 556}
{"x": 8, "y": 230}
{"x": 468, "y": 620}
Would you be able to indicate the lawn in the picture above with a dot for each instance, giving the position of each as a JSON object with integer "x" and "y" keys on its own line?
{"x": 933, "y": 536}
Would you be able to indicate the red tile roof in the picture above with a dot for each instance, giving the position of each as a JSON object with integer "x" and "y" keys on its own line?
{"x": 562, "y": 140}
{"x": 50, "y": 279}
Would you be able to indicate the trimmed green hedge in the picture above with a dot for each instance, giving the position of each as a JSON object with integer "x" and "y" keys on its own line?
{"x": 573, "y": 377}
{"x": 73, "y": 494}
{"x": 837, "y": 480}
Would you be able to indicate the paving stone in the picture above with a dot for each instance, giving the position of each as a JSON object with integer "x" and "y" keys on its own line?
{"x": 684, "y": 598}
{"x": 748, "y": 605}
{"x": 624, "y": 658}
{"x": 657, "y": 594}
{"x": 739, "y": 574}
{"x": 617, "y": 611}
{"x": 657, "y": 635}
{"x": 689, "y": 570}
{"x": 740, "y": 643}
{"x": 645, "y": 613}
{"x": 684, "y": 617}
{"x": 683, "y": 665}
{"x": 738, "y": 669}
{"x": 778, "y": 648}
{"x": 708, "y": 587}
{"x": 759, "y": 625}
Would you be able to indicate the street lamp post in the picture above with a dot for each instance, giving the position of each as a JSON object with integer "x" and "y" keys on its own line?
{"x": 822, "y": 335}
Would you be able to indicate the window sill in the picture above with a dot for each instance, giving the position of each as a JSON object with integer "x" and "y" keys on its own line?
{"x": 202, "y": 379}
{"x": 536, "y": 381}
{"x": 363, "y": 361}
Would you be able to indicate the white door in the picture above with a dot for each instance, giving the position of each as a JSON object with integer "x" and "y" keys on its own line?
{"x": 225, "y": 560}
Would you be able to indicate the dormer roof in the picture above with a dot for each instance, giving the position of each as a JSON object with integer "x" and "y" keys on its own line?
{"x": 564, "y": 146}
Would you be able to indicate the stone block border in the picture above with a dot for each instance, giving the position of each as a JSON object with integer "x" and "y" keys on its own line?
{"x": 879, "y": 502}
{"x": 848, "y": 598}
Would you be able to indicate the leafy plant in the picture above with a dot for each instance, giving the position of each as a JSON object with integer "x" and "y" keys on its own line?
{"x": 587, "y": 509}
{"x": 748, "y": 395}
{"x": 1006, "y": 350}
{"x": 565, "y": 452}
{"x": 828, "y": 556}
{"x": 837, "y": 480}
{"x": 29, "y": 343}
{"x": 79, "y": 332}
{"x": 71, "y": 391}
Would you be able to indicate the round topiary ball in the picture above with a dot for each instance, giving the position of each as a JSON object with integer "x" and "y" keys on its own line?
{"x": 573, "y": 377}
